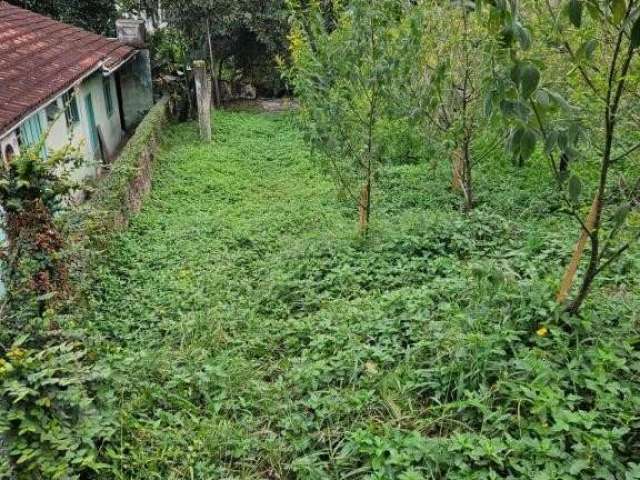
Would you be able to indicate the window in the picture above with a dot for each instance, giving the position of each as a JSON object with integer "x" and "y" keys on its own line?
{"x": 31, "y": 131}
{"x": 71, "y": 112}
{"x": 108, "y": 99}
{"x": 53, "y": 109}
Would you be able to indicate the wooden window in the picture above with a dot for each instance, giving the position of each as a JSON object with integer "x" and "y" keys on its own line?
{"x": 31, "y": 133}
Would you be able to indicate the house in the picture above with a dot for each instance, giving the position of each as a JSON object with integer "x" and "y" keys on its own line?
{"x": 70, "y": 85}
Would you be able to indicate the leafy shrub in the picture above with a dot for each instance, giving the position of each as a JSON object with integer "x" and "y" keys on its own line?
{"x": 48, "y": 421}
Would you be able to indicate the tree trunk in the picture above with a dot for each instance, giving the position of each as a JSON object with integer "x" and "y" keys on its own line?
{"x": 364, "y": 207}
{"x": 216, "y": 85}
{"x": 572, "y": 268}
{"x": 456, "y": 170}
{"x": 203, "y": 94}
{"x": 461, "y": 175}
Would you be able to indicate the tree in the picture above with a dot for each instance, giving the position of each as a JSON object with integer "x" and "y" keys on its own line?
{"x": 450, "y": 83}
{"x": 245, "y": 34}
{"x": 98, "y": 16}
{"x": 345, "y": 77}
{"x": 595, "y": 46}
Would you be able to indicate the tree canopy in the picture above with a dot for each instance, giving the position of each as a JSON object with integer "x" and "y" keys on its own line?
{"x": 96, "y": 15}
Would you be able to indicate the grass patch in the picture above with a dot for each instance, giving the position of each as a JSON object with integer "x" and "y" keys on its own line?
{"x": 251, "y": 334}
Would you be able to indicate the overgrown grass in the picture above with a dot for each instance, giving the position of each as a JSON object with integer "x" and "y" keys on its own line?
{"x": 251, "y": 334}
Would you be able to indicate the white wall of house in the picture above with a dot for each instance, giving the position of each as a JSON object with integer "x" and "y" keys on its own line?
{"x": 60, "y": 133}
{"x": 109, "y": 124}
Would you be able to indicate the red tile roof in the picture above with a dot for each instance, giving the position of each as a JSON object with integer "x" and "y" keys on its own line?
{"x": 41, "y": 58}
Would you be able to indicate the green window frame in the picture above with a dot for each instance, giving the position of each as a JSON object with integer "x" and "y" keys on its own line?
{"x": 31, "y": 133}
{"x": 108, "y": 98}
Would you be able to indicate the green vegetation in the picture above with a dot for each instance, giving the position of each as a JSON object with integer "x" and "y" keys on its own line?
{"x": 480, "y": 322}
{"x": 48, "y": 379}
{"x": 251, "y": 333}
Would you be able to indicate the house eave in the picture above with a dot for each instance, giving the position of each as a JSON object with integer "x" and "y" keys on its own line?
{"x": 100, "y": 66}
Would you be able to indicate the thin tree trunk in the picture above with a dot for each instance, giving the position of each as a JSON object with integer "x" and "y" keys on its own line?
{"x": 615, "y": 91}
{"x": 467, "y": 187}
{"x": 364, "y": 207}
{"x": 216, "y": 85}
{"x": 572, "y": 268}
{"x": 464, "y": 171}
{"x": 456, "y": 170}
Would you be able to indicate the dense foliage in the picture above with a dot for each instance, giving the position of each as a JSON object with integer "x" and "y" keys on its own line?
{"x": 239, "y": 39}
{"x": 242, "y": 327}
{"x": 48, "y": 423}
{"x": 253, "y": 334}
{"x": 458, "y": 69}
{"x": 96, "y": 15}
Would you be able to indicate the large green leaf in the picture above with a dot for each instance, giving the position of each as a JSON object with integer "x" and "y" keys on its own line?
{"x": 527, "y": 143}
{"x": 575, "y": 188}
{"x": 587, "y": 49}
{"x": 618, "y": 10}
{"x": 575, "y": 12}
{"x": 635, "y": 34}
{"x": 529, "y": 80}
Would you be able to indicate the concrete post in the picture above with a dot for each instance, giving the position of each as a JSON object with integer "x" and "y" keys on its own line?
{"x": 203, "y": 94}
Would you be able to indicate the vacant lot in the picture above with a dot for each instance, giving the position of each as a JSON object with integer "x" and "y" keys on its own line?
{"x": 251, "y": 334}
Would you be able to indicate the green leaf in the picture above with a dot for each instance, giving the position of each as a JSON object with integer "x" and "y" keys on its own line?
{"x": 587, "y": 49}
{"x": 559, "y": 100}
{"x": 527, "y": 143}
{"x": 577, "y": 466}
{"x": 621, "y": 216}
{"x": 542, "y": 99}
{"x": 550, "y": 142}
{"x": 618, "y": 10}
{"x": 523, "y": 36}
{"x": 575, "y": 188}
{"x": 635, "y": 34}
{"x": 514, "y": 141}
{"x": 575, "y": 12}
{"x": 594, "y": 11}
{"x": 488, "y": 105}
{"x": 529, "y": 80}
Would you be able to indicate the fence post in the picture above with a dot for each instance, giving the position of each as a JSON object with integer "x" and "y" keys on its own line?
{"x": 203, "y": 94}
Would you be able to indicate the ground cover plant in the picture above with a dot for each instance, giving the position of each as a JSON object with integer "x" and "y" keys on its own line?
{"x": 250, "y": 332}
